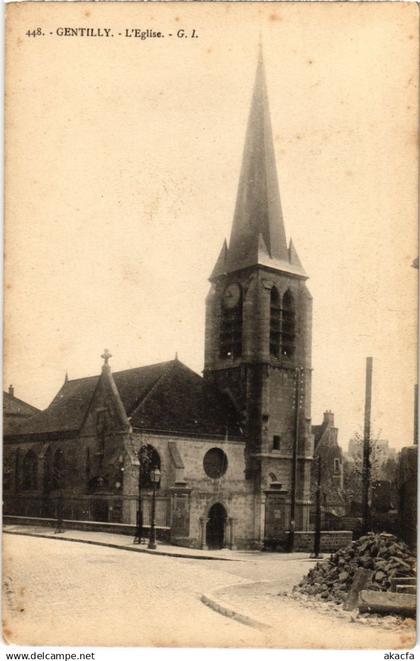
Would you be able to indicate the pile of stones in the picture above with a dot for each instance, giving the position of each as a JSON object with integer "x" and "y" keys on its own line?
{"x": 383, "y": 554}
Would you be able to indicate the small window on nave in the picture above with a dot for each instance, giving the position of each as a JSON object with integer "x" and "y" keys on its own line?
{"x": 18, "y": 469}
{"x": 48, "y": 471}
{"x": 59, "y": 470}
{"x": 30, "y": 471}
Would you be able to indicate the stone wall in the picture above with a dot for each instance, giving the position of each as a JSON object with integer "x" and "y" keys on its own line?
{"x": 162, "y": 533}
{"x": 331, "y": 540}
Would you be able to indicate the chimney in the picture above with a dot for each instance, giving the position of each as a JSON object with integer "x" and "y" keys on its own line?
{"x": 329, "y": 418}
{"x": 11, "y": 391}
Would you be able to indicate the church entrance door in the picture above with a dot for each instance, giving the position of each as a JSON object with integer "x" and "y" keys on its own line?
{"x": 215, "y": 530}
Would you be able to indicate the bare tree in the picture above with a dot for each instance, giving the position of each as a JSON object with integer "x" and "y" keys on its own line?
{"x": 382, "y": 466}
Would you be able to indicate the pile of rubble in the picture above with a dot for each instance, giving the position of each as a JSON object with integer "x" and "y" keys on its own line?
{"x": 383, "y": 554}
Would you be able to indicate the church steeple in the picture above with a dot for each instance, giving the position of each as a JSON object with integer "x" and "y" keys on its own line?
{"x": 258, "y": 329}
{"x": 258, "y": 236}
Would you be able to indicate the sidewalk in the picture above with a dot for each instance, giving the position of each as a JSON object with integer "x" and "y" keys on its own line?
{"x": 125, "y": 542}
{"x": 287, "y": 622}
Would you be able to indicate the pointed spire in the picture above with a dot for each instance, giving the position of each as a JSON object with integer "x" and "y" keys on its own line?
{"x": 262, "y": 249}
{"x": 258, "y": 235}
{"x": 66, "y": 377}
{"x": 220, "y": 266}
{"x": 107, "y": 378}
{"x": 293, "y": 256}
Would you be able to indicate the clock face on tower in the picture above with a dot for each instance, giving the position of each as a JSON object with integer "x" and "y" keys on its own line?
{"x": 231, "y": 296}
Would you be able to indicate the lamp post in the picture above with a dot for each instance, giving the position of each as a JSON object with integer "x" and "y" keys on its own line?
{"x": 298, "y": 401}
{"x": 155, "y": 478}
{"x": 317, "y": 537}
{"x": 144, "y": 465}
{"x": 139, "y": 529}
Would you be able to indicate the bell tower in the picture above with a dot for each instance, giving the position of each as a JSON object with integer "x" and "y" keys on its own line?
{"x": 259, "y": 318}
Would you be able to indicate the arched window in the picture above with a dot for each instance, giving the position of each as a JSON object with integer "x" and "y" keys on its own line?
{"x": 288, "y": 325}
{"x": 30, "y": 471}
{"x": 275, "y": 323}
{"x": 59, "y": 470}
{"x": 18, "y": 470}
{"x": 8, "y": 468}
{"x": 48, "y": 471}
{"x": 231, "y": 322}
{"x": 149, "y": 459}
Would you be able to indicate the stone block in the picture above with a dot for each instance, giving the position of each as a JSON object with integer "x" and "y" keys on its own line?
{"x": 371, "y": 601}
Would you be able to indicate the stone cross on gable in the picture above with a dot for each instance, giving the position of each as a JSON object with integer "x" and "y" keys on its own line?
{"x": 106, "y": 356}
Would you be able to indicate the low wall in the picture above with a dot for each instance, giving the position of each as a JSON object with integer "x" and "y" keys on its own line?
{"x": 162, "y": 532}
{"x": 331, "y": 540}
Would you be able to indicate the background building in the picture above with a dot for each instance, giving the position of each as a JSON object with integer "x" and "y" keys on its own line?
{"x": 330, "y": 454}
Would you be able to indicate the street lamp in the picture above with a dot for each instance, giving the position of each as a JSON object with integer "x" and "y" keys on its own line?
{"x": 139, "y": 529}
{"x": 317, "y": 536}
{"x": 155, "y": 479}
{"x": 299, "y": 386}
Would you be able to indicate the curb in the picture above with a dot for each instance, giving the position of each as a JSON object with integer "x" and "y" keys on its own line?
{"x": 227, "y": 610}
{"x": 119, "y": 546}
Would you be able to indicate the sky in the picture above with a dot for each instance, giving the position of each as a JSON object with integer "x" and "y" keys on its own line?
{"x": 122, "y": 165}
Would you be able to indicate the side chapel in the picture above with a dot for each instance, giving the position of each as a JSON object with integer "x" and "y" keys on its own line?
{"x": 235, "y": 445}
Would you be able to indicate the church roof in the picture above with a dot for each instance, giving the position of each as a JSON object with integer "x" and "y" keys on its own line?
{"x": 14, "y": 406}
{"x": 258, "y": 235}
{"x": 14, "y": 411}
{"x": 166, "y": 397}
{"x": 184, "y": 402}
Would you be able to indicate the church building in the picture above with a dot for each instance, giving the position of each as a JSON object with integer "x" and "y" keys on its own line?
{"x": 234, "y": 446}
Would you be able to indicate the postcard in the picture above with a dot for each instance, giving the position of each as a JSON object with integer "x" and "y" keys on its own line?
{"x": 210, "y": 409}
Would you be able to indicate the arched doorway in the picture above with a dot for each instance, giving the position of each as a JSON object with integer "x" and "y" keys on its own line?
{"x": 215, "y": 530}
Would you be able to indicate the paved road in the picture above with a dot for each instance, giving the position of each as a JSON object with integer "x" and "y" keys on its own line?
{"x": 77, "y": 594}
{"x": 68, "y": 593}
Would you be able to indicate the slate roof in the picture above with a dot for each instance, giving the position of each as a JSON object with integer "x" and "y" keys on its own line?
{"x": 184, "y": 402}
{"x": 14, "y": 411}
{"x": 17, "y": 407}
{"x": 258, "y": 234}
{"x": 166, "y": 397}
{"x": 318, "y": 432}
